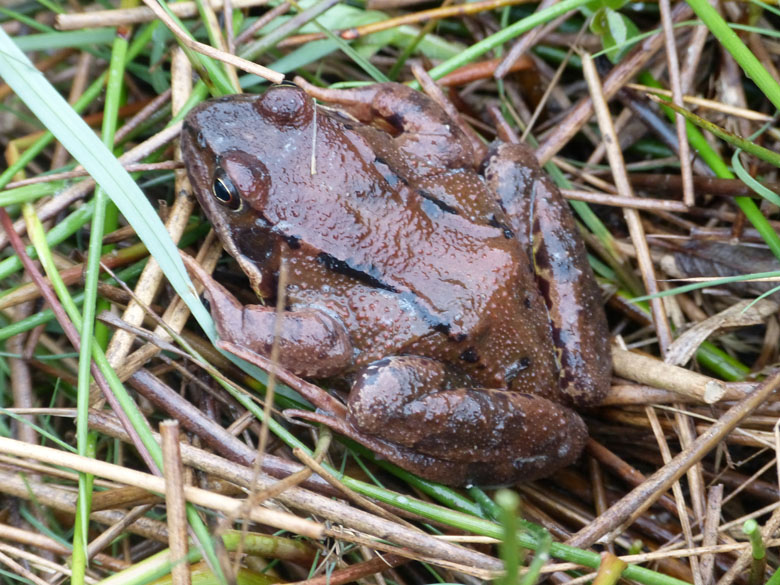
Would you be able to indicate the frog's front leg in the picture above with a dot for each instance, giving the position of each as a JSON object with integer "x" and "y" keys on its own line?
{"x": 311, "y": 342}
{"x": 421, "y": 128}
{"x": 542, "y": 222}
{"x": 449, "y": 432}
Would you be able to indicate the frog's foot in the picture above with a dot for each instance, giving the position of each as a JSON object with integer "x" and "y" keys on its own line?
{"x": 311, "y": 342}
{"x": 450, "y": 472}
{"x": 314, "y": 394}
{"x": 460, "y": 435}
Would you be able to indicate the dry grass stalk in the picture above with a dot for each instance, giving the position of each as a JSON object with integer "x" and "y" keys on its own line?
{"x": 734, "y": 436}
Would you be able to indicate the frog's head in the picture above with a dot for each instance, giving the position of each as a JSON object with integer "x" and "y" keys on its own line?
{"x": 277, "y": 175}
{"x": 237, "y": 150}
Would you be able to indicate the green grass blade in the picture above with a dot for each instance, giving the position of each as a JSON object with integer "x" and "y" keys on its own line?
{"x": 748, "y": 146}
{"x": 478, "y": 49}
{"x": 64, "y": 40}
{"x": 734, "y": 45}
{"x": 745, "y": 177}
{"x": 49, "y": 106}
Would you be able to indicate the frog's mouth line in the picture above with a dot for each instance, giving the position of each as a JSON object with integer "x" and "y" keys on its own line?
{"x": 200, "y": 175}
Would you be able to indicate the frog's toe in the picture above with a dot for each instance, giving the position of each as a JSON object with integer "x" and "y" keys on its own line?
{"x": 552, "y": 449}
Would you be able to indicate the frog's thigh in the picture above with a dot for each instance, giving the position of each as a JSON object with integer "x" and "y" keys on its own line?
{"x": 425, "y": 130}
{"x": 311, "y": 342}
{"x": 409, "y": 401}
{"x": 544, "y": 225}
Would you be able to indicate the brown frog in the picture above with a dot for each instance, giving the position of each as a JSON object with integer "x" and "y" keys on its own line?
{"x": 452, "y": 295}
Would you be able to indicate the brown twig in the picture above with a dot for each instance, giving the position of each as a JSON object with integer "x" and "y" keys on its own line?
{"x": 643, "y": 496}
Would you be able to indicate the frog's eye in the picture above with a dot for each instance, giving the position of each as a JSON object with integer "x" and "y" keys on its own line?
{"x": 225, "y": 191}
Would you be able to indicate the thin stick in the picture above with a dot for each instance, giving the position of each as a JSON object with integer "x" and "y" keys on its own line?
{"x": 623, "y": 201}
{"x": 623, "y": 186}
{"x": 710, "y": 532}
{"x": 209, "y": 51}
{"x": 673, "y": 67}
{"x": 175, "y": 503}
{"x": 645, "y": 495}
{"x": 137, "y": 15}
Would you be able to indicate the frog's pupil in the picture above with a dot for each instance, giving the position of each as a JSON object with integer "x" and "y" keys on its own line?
{"x": 225, "y": 192}
{"x": 221, "y": 191}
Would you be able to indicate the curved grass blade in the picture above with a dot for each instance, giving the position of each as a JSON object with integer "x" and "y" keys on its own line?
{"x": 74, "y": 134}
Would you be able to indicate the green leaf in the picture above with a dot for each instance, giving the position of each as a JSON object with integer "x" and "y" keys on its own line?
{"x": 598, "y": 24}
{"x": 621, "y": 37}
{"x": 66, "y": 40}
{"x": 615, "y": 4}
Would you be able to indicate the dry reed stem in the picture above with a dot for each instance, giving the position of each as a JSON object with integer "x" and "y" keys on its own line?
{"x": 653, "y": 372}
{"x": 157, "y": 484}
{"x": 175, "y": 502}
{"x": 642, "y": 497}
{"x": 673, "y": 70}
{"x": 138, "y": 15}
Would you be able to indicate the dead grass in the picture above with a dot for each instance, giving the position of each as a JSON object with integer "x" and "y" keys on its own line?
{"x": 681, "y": 454}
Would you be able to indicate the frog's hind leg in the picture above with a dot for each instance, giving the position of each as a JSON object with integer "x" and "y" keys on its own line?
{"x": 479, "y": 435}
{"x": 543, "y": 224}
{"x": 421, "y": 127}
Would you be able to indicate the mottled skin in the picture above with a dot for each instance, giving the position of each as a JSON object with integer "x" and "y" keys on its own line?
{"x": 454, "y": 297}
